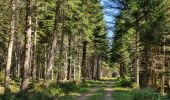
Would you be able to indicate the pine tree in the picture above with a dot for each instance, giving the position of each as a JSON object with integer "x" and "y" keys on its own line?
{"x": 26, "y": 66}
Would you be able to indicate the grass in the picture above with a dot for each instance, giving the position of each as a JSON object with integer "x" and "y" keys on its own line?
{"x": 98, "y": 95}
{"x": 68, "y": 97}
{"x": 83, "y": 88}
{"x": 126, "y": 93}
{"x": 121, "y": 93}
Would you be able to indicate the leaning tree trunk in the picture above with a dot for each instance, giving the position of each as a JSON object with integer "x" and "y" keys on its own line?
{"x": 10, "y": 46}
{"x": 53, "y": 45}
{"x": 25, "y": 76}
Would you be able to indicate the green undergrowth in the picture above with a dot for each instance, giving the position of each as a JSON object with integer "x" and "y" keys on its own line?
{"x": 125, "y": 90}
{"x": 145, "y": 94}
{"x": 63, "y": 90}
{"x": 39, "y": 92}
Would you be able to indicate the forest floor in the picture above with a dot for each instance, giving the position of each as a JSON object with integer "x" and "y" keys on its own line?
{"x": 107, "y": 89}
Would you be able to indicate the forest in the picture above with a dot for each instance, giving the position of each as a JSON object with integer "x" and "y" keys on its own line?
{"x": 85, "y": 50}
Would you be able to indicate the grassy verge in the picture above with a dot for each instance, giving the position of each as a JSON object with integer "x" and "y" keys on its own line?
{"x": 122, "y": 93}
{"x": 98, "y": 95}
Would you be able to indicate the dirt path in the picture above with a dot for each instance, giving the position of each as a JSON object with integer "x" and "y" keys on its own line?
{"x": 108, "y": 92}
{"x": 89, "y": 93}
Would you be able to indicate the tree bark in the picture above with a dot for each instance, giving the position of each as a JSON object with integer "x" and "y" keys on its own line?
{"x": 84, "y": 60}
{"x": 35, "y": 45}
{"x": 53, "y": 45}
{"x": 146, "y": 51}
{"x": 62, "y": 42}
{"x": 25, "y": 77}
{"x": 137, "y": 68}
{"x": 69, "y": 58}
{"x": 163, "y": 69}
{"x": 98, "y": 69}
{"x": 10, "y": 46}
{"x": 93, "y": 66}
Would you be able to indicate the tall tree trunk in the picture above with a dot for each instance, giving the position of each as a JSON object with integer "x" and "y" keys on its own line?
{"x": 17, "y": 57}
{"x": 78, "y": 59}
{"x": 163, "y": 69}
{"x": 46, "y": 59}
{"x": 25, "y": 77}
{"x": 137, "y": 69}
{"x": 84, "y": 60}
{"x": 62, "y": 42}
{"x": 10, "y": 46}
{"x": 98, "y": 68}
{"x": 66, "y": 62}
{"x": 93, "y": 66}
{"x": 69, "y": 58}
{"x": 53, "y": 45}
{"x": 146, "y": 46}
{"x": 35, "y": 45}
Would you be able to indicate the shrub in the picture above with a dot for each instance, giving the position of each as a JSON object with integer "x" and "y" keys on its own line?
{"x": 26, "y": 96}
{"x": 125, "y": 83}
{"x": 8, "y": 96}
{"x": 54, "y": 90}
{"x": 67, "y": 87}
{"x": 146, "y": 94}
{"x": 135, "y": 86}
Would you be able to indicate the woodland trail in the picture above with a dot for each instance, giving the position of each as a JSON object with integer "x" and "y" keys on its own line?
{"x": 85, "y": 96}
{"x": 109, "y": 91}
{"x": 97, "y": 90}
{"x": 106, "y": 87}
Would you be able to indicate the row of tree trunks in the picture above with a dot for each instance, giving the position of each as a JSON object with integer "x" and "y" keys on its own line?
{"x": 31, "y": 65}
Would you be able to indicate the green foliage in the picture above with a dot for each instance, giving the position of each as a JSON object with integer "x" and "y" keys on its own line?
{"x": 126, "y": 82}
{"x": 135, "y": 86}
{"x": 26, "y": 96}
{"x": 41, "y": 93}
{"x": 67, "y": 87}
{"x": 146, "y": 94}
{"x": 122, "y": 95}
